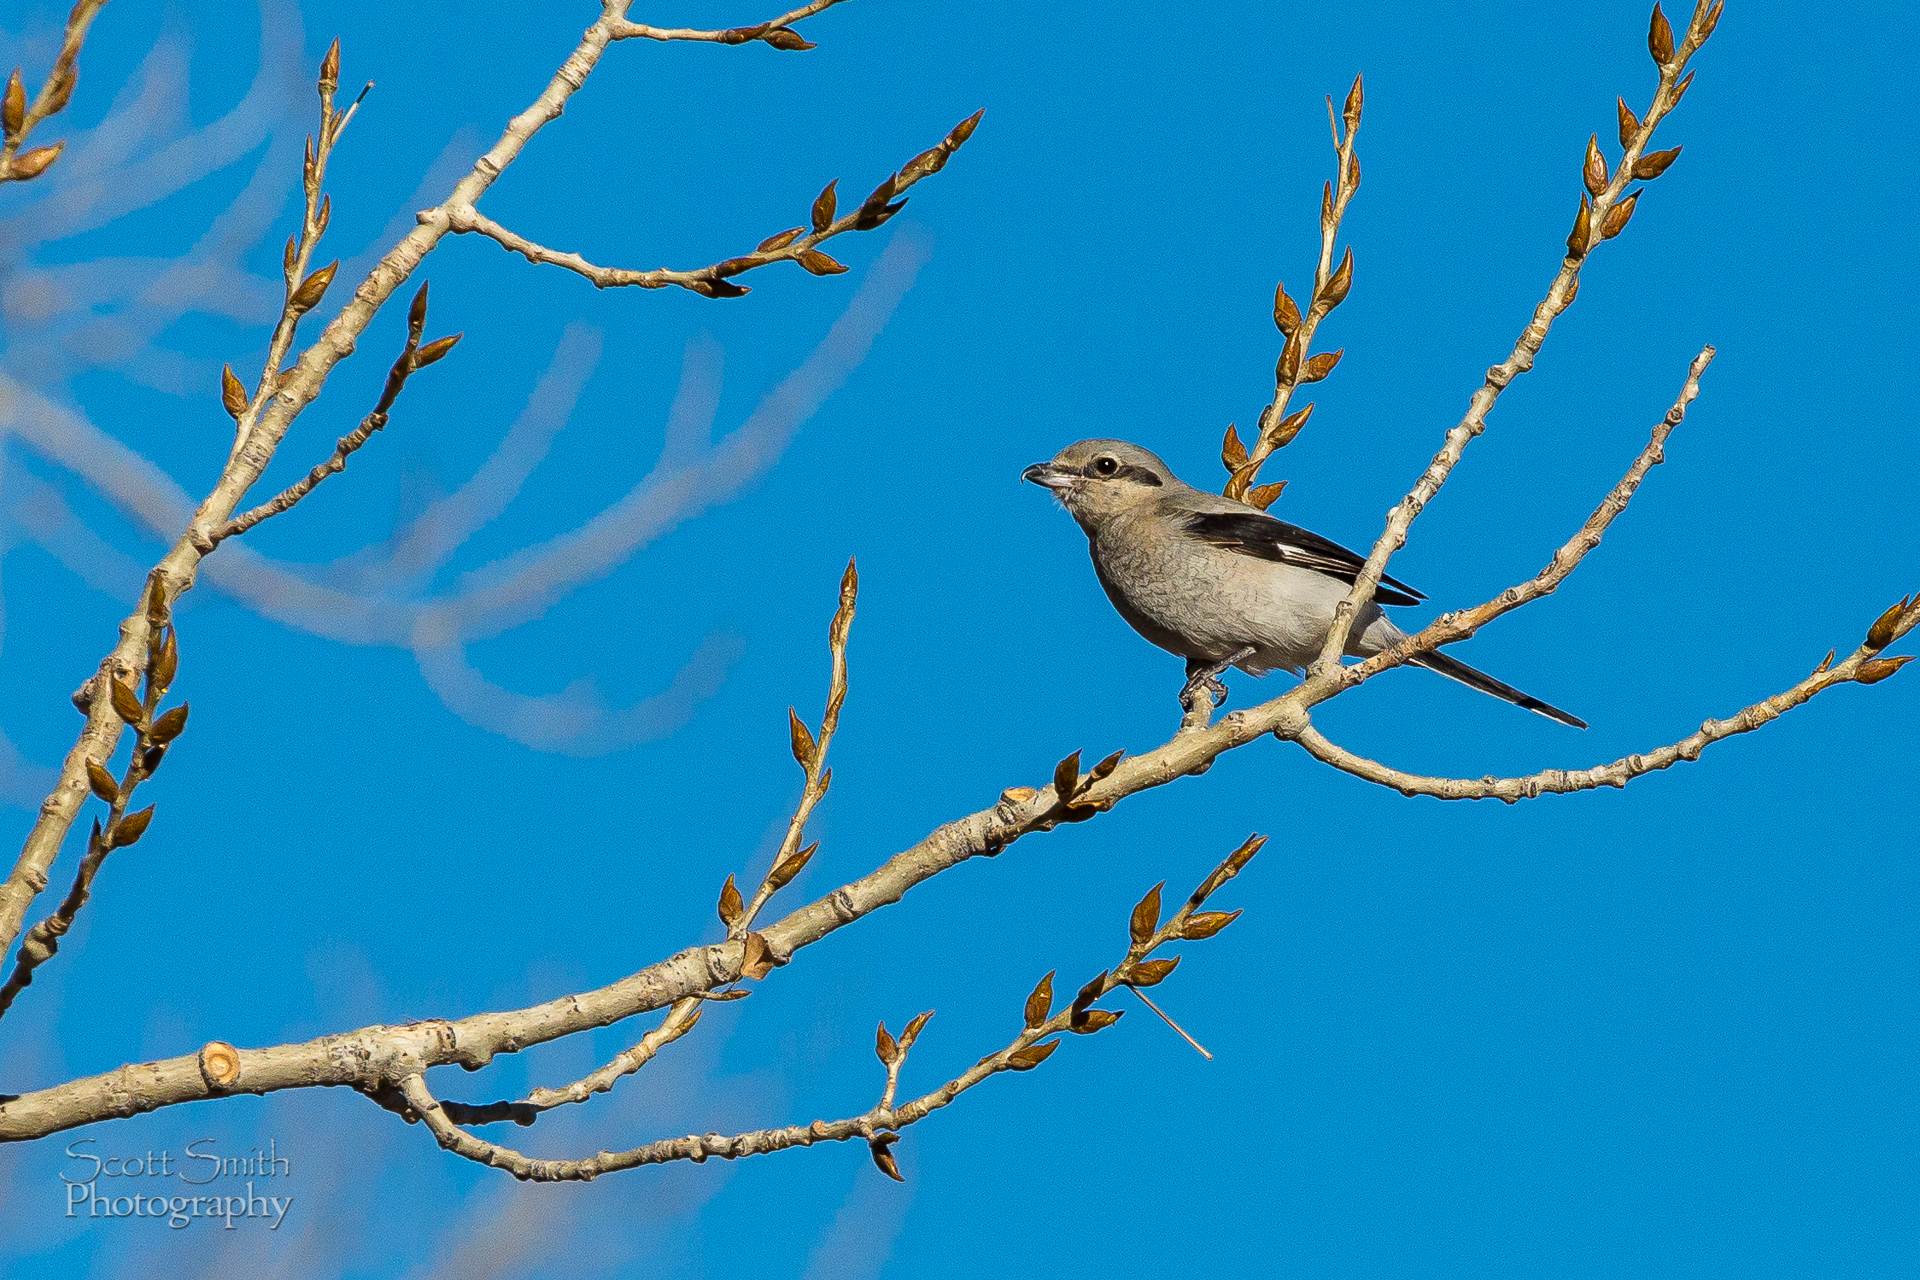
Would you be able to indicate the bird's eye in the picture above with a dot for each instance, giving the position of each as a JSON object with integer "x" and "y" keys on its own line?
{"x": 1105, "y": 466}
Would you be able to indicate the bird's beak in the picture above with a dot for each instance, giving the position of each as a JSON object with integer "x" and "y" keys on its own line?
{"x": 1047, "y": 476}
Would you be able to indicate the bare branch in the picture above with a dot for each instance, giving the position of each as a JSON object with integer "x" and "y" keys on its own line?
{"x": 1277, "y": 427}
{"x": 1601, "y": 218}
{"x": 716, "y": 281}
{"x": 413, "y": 357}
{"x": 881, "y": 1124}
{"x": 1451, "y": 627}
{"x": 1857, "y": 668}
{"x": 281, "y": 396}
{"x": 775, "y": 31}
{"x": 19, "y": 117}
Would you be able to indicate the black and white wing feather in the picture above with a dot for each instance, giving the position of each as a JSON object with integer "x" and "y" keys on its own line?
{"x": 1250, "y": 533}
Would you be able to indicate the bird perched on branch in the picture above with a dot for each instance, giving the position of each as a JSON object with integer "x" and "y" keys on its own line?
{"x": 1223, "y": 584}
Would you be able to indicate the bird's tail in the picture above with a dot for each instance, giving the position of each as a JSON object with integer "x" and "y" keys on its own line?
{"x": 1454, "y": 669}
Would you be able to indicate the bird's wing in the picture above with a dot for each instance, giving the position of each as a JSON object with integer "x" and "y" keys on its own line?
{"x": 1250, "y": 533}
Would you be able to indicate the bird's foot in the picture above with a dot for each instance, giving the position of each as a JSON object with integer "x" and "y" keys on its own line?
{"x": 1207, "y": 676}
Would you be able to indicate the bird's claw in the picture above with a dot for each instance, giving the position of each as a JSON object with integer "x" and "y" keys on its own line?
{"x": 1216, "y": 689}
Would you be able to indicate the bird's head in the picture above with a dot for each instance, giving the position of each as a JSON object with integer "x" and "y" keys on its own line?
{"x": 1098, "y": 479}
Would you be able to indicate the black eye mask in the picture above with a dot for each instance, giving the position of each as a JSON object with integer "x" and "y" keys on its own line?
{"x": 1140, "y": 475}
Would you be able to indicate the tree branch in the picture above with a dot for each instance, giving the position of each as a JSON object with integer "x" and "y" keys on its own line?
{"x": 19, "y": 118}
{"x": 263, "y": 420}
{"x": 1602, "y": 218}
{"x": 881, "y": 1124}
{"x": 1459, "y": 625}
{"x": 797, "y": 244}
{"x": 1859, "y": 667}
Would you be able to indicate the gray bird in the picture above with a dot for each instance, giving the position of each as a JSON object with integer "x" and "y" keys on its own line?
{"x": 1223, "y": 584}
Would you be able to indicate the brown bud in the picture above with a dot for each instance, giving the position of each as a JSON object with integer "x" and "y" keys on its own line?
{"x": 1105, "y": 766}
{"x": 417, "y": 310}
{"x": 930, "y": 161}
{"x": 166, "y": 662}
{"x": 125, "y": 704}
{"x": 1287, "y": 371}
{"x": 1660, "y": 37}
{"x": 886, "y": 1046}
{"x": 1094, "y": 1020}
{"x": 756, "y": 961}
{"x": 1205, "y": 924}
{"x": 962, "y": 131}
{"x": 330, "y": 68}
{"x": 1878, "y": 669}
{"x": 1032, "y": 1056}
{"x": 60, "y": 90}
{"x": 1040, "y": 1003}
{"x": 156, "y": 602}
{"x": 802, "y": 740}
{"x": 1326, "y": 205}
{"x": 824, "y": 205}
{"x": 31, "y": 164}
{"x": 1655, "y": 163}
{"x": 1582, "y": 233}
{"x": 882, "y": 1157}
{"x": 1066, "y": 777}
{"x": 168, "y": 725}
{"x": 1286, "y": 313}
{"x": 1337, "y": 285}
{"x": 322, "y": 216}
{"x": 101, "y": 782}
{"x": 787, "y": 868}
{"x": 233, "y": 392}
{"x": 1290, "y": 425}
{"x": 1146, "y": 916}
{"x": 1595, "y": 171}
{"x": 1680, "y": 90}
{"x": 1263, "y": 496}
{"x": 1321, "y": 365}
{"x": 787, "y": 40}
{"x": 1712, "y": 20}
{"x": 134, "y": 825}
{"x": 819, "y": 263}
{"x": 1233, "y": 454}
{"x": 1629, "y": 123}
{"x": 1826, "y": 662}
{"x": 1886, "y": 628}
{"x": 1088, "y": 994}
{"x": 779, "y": 240}
{"x": 1356, "y": 98}
{"x": 731, "y": 908}
{"x": 13, "y": 107}
{"x": 1149, "y": 973}
{"x": 150, "y": 760}
{"x": 913, "y": 1030}
{"x": 1617, "y": 217}
{"x": 435, "y": 351}
{"x": 312, "y": 289}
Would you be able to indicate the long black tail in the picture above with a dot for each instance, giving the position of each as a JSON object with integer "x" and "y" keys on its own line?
{"x": 1454, "y": 669}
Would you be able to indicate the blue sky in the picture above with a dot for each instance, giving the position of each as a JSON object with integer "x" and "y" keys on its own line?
{"x": 1667, "y": 1031}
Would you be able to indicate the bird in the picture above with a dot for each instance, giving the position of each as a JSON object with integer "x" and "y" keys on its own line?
{"x": 1223, "y": 584}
